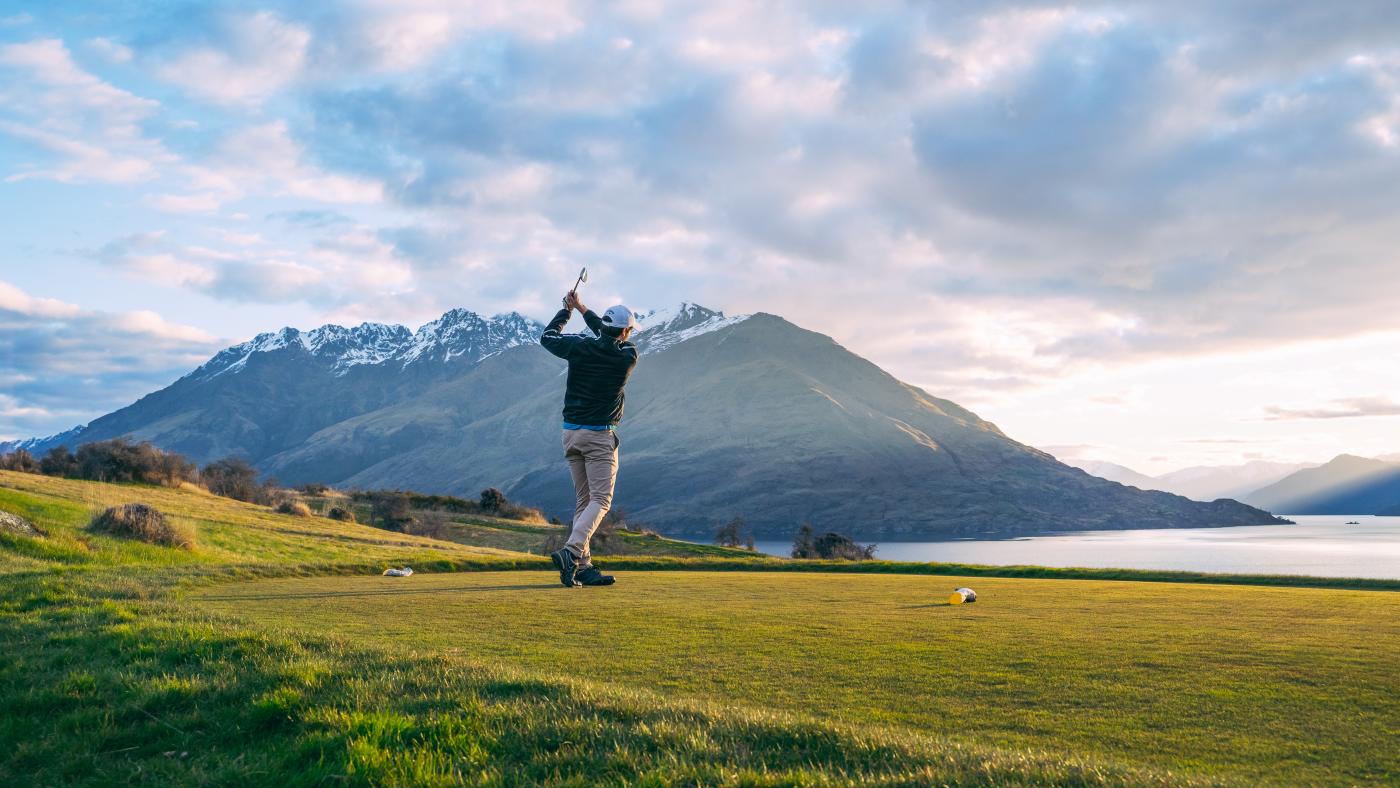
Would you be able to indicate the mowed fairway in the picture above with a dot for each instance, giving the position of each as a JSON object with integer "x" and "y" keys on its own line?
{"x": 1280, "y": 684}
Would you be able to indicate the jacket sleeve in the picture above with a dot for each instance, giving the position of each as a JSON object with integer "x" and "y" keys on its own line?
{"x": 556, "y": 343}
{"x": 595, "y": 323}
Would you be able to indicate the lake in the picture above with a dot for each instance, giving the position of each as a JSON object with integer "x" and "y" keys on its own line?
{"x": 1318, "y": 545}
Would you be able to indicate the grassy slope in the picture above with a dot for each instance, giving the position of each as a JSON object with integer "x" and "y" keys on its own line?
{"x": 230, "y": 535}
{"x": 116, "y": 672}
{"x": 531, "y": 537}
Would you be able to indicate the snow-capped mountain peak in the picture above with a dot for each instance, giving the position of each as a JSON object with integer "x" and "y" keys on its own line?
{"x": 663, "y": 328}
{"x": 458, "y": 333}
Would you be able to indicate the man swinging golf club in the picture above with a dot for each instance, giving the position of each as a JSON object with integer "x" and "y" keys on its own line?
{"x": 598, "y": 370}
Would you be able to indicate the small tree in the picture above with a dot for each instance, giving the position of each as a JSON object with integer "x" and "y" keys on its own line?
{"x": 19, "y": 460}
{"x": 172, "y": 468}
{"x": 232, "y": 477}
{"x": 59, "y": 462}
{"x": 391, "y": 510}
{"x": 492, "y": 500}
{"x": 842, "y": 547}
{"x": 734, "y": 534}
{"x": 802, "y": 544}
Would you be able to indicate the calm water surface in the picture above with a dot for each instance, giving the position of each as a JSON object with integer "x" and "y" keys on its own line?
{"x": 1317, "y": 545}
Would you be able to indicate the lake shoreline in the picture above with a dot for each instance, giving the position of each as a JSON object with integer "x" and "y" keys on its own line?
{"x": 1313, "y": 546}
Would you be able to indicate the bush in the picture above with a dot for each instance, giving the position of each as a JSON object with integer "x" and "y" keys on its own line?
{"x": 390, "y": 510}
{"x": 295, "y": 508}
{"x": 115, "y": 460}
{"x": 19, "y": 460}
{"x": 449, "y": 503}
{"x": 829, "y": 545}
{"x": 59, "y": 462}
{"x": 803, "y": 544}
{"x": 342, "y": 514}
{"x": 119, "y": 460}
{"x": 146, "y": 523}
{"x": 233, "y": 477}
{"x": 314, "y": 488}
{"x": 492, "y": 500}
{"x": 734, "y": 534}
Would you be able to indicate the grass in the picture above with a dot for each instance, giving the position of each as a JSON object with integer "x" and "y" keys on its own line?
{"x": 129, "y": 662}
{"x": 1222, "y": 681}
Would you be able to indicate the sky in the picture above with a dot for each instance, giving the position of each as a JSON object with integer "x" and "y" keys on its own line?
{"x": 1159, "y": 234}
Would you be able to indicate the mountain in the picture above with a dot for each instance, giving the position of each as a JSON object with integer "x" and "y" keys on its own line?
{"x": 1346, "y": 485}
{"x": 1116, "y": 473}
{"x": 727, "y": 416}
{"x": 1199, "y": 483}
{"x": 272, "y": 392}
{"x": 1209, "y": 482}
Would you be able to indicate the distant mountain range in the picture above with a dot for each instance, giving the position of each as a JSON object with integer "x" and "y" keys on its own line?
{"x": 1200, "y": 483}
{"x": 747, "y": 416}
{"x": 1345, "y": 485}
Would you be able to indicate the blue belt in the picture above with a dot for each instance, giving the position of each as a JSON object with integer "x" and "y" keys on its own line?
{"x": 593, "y": 427}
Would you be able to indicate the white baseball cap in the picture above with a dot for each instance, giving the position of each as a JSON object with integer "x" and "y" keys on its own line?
{"x": 619, "y": 317}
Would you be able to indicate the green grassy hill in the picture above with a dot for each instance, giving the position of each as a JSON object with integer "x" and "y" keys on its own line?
{"x": 273, "y": 653}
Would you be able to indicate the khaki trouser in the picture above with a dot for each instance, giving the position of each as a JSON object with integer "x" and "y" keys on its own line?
{"x": 592, "y": 456}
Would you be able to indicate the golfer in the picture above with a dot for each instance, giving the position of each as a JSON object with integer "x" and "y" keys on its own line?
{"x": 599, "y": 366}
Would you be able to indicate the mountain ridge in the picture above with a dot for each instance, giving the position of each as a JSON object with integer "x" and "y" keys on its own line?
{"x": 1347, "y": 484}
{"x": 745, "y": 416}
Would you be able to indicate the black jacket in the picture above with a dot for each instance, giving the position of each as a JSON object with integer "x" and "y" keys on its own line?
{"x": 598, "y": 369}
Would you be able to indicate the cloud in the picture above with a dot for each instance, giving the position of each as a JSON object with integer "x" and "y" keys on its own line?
{"x": 1027, "y": 191}
{"x": 310, "y": 218}
{"x": 1351, "y": 408}
{"x": 17, "y": 302}
{"x": 330, "y": 271}
{"x": 252, "y": 57}
{"x": 109, "y": 50}
{"x": 90, "y": 127}
{"x": 61, "y": 364}
{"x": 1116, "y": 180}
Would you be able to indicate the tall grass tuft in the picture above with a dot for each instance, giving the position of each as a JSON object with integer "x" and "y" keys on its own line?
{"x": 294, "y": 508}
{"x": 142, "y": 522}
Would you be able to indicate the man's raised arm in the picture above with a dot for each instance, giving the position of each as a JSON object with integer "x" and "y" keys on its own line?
{"x": 555, "y": 342}
{"x": 590, "y": 318}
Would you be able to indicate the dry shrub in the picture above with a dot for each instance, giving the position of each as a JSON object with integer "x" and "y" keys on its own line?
{"x": 342, "y": 514}
{"x": 294, "y": 508}
{"x": 146, "y": 523}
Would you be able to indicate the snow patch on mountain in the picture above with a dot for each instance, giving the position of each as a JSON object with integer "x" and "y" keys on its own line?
{"x": 664, "y": 328}
{"x": 458, "y": 333}
{"x": 37, "y": 445}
